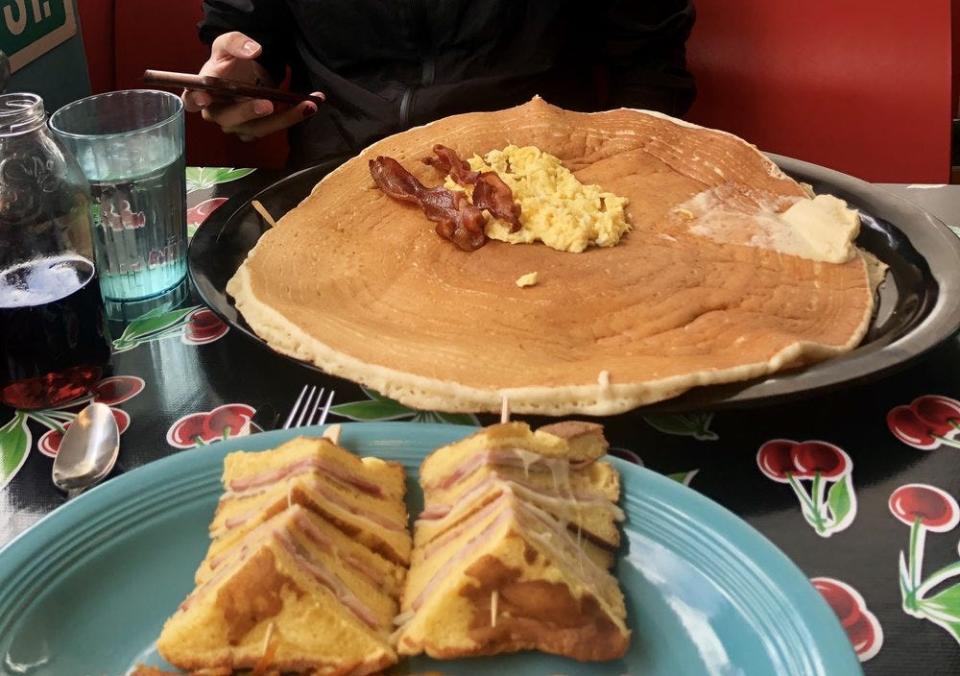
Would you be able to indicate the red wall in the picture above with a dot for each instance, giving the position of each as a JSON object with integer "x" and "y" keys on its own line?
{"x": 863, "y": 86}
{"x": 125, "y": 37}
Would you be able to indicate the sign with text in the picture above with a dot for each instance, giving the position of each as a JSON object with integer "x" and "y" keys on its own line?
{"x": 31, "y": 28}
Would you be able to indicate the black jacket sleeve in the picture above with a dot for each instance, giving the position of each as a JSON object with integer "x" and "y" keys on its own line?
{"x": 266, "y": 21}
{"x": 644, "y": 46}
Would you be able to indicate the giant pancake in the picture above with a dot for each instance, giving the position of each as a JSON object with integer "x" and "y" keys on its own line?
{"x": 704, "y": 289}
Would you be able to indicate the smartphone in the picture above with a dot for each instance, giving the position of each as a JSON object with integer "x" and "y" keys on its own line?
{"x": 224, "y": 89}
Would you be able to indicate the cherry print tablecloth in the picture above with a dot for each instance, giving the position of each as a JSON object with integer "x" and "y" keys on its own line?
{"x": 858, "y": 487}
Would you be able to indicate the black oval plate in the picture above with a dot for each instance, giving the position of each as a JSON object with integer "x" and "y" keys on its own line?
{"x": 919, "y": 302}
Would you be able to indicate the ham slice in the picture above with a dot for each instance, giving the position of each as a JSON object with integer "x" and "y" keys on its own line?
{"x": 322, "y": 541}
{"x": 508, "y": 457}
{"x": 467, "y": 551}
{"x": 239, "y": 487}
{"x": 375, "y": 520}
{"x": 329, "y": 580}
{"x": 457, "y": 531}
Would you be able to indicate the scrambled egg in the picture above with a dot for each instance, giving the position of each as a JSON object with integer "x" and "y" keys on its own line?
{"x": 555, "y": 208}
{"x": 528, "y": 279}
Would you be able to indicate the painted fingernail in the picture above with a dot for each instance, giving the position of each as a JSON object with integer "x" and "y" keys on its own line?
{"x": 262, "y": 107}
{"x": 249, "y": 47}
{"x": 309, "y": 110}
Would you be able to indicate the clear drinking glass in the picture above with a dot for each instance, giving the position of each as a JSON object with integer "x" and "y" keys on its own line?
{"x": 130, "y": 146}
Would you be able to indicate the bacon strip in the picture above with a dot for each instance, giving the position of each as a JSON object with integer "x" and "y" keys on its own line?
{"x": 446, "y": 161}
{"x": 492, "y": 194}
{"x": 489, "y": 190}
{"x": 457, "y": 220}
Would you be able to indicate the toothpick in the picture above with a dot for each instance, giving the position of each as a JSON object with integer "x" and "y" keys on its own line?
{"x": 262, "y": 210}
{"x": 264, "y": 664}
{"x": 505, "y": 409}
{"x": 333, "y": 433}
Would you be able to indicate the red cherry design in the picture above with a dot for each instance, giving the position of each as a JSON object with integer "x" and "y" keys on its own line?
{"x": 858, "y": 622}
{"x": 936, "y": 509}
{"x": 865, "y": 637}
{"x": 775, "y": 459}
{"x": 938, "y": 412}
{"x": 843, "y": 603}
{"x": 231, "y": 418}
{"x": 206, "y": 427}
{"x": 118, "y": 389}
{"x": 185, "y": 432}
{"x": 203, "y": 326}
{"x": 198, "y": 214}
{"x": 812, "y": 457}
{"x": 49, "y": 442}
{"x": 907, "y": 426}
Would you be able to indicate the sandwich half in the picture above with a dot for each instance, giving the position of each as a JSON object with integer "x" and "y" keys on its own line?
{"x": 513, "y": 548}
{"x": 295, "y": 579}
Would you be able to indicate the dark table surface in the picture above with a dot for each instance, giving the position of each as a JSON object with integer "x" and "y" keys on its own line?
{"x": 182, "y": 378}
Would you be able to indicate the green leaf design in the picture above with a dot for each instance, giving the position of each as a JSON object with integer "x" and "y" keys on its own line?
{"x": 458, "y": 418}
{"x": 956, "y": 230}
{"x": 904, "y": 580}
{"x": 840, "y": 501}
{"x": 197, "y": 178}
{"x": 684, "y": 477}
{"x": 953, "y": 628}
{"x": 365, "y": 411}
{"x": 395, "y": 410}
{"x": 15, "y": 443}
{"x": 696, "y": 425}
{"x": 203, "y": 178}
{"x": 373, "y": 394}
{"x": 148, "y": 326}
{"x": 226, "y": 175}
{"x": 946, "y": 604}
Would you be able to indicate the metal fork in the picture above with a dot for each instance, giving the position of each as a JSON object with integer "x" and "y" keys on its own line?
{"x": 306, "y": 410}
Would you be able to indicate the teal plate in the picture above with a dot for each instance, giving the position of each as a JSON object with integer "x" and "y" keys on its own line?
{"x": 87, "y": 589}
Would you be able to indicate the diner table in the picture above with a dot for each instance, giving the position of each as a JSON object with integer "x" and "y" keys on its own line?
{"x": 858, "y": 486}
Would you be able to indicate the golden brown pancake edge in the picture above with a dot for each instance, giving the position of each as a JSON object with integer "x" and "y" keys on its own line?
{"x": 343, "y": 301}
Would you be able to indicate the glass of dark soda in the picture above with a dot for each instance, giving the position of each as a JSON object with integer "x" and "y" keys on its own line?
{"x": 54, "y": 342}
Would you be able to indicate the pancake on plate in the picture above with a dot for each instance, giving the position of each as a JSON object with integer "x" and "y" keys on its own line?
{"x": 725, "y": 269}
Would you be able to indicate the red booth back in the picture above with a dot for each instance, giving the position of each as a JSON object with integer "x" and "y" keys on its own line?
{"x": 863, "y": 86}
{"x": 125, "y": 37}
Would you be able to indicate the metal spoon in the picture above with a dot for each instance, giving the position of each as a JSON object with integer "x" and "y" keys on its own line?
{"x": 88, "y": 450}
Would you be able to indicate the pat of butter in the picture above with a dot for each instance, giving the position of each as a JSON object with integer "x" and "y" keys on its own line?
{"x": 528, "y": 279}
{"x": 824, "y": 227}
{"x": 821, "y": 229}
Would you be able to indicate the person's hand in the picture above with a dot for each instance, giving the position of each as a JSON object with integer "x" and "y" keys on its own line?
{"x": 233, "y": 56}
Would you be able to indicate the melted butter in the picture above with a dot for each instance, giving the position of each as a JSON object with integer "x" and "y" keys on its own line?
{"x": 555, "y": 207}
{"x": 821, "y": 229}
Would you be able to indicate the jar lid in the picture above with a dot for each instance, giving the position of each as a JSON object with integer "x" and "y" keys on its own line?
{"x": 20, "y": 113}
